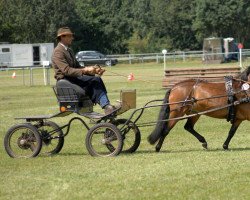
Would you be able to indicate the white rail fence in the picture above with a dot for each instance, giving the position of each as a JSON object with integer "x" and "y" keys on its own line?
{"x": 171, "y": 56}
{"x": 26, "y": 76}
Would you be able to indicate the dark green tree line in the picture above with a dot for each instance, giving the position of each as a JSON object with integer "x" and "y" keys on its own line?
{"x": 123, "y": 26}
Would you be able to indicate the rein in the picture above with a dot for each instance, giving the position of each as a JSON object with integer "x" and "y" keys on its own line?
{"x": 245, "y": 100}
{"x": 187, "y": 116}
{"x": 122, "y": 75}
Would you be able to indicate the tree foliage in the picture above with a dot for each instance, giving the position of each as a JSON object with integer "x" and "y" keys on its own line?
{"x": 222, "y": 18}
{"x": 123, "y": 26}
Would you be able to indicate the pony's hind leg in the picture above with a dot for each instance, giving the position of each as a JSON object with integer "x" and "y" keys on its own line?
{"x": 189, "y": 126}
{"x": 165, "y": 132}
{"x": 161, "y": 140}
{"x": 231, "y": 133}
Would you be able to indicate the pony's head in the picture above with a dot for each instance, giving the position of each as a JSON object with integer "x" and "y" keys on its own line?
{"x": 245, "y": 75}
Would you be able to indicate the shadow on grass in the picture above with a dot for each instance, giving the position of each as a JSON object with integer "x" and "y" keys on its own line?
{"x": 73, "y": 154}
{"x": 64, "y": 154}
{"x": 192, "y": 150}
{"x": 154, "y": 152}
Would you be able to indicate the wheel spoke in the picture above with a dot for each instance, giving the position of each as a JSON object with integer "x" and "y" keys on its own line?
{"x": 22, "y": 140}
{"x": 104, "y": 139}
{"x": 131, "y": 135}
{"x": 51, "y": 145}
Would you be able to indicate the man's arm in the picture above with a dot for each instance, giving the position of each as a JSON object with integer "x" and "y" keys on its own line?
{"x": 61, "y": 64}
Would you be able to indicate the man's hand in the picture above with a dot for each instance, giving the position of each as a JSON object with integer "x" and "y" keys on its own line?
{"x": 99, "y": 70}
{"x": 92, "y": 70}
{"x": 89, "y": 70}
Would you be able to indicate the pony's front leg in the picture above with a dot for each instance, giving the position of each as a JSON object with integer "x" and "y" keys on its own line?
{"x": 231, "y": 133}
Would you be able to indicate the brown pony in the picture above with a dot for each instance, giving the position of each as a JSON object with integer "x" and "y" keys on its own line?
{"x": 200, "y": 96}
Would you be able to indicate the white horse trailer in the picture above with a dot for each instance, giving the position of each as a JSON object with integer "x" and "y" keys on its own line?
{"x": 25, "y": 55}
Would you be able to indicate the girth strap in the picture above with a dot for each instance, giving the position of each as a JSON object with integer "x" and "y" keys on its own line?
{"x": 231, "y": 98}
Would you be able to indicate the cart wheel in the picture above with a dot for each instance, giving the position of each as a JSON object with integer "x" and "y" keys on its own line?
{"x": 104, "y": 140}
{"x": 22, "y": 141}
{"x": 51, "y": 145}
{"x": 131, "y": 135}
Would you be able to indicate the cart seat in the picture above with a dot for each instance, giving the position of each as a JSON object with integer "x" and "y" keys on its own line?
{"x": 65, "y": 87}
{"x": 72, "y": 96}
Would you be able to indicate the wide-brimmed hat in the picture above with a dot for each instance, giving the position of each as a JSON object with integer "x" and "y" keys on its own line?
{"x": 64, "y": 31}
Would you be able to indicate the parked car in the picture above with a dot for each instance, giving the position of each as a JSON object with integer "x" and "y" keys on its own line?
{"x": 94, "y": 57}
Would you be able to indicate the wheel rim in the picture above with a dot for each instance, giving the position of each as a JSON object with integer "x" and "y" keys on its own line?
{"x": 50, "y": 146}
{"x": 104, "y": 142}
{"x": 131, "y": 136}
{"x": 23, "y": 143}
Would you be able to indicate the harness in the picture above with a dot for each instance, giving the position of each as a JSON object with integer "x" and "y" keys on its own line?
{"x": 231, "y": 98}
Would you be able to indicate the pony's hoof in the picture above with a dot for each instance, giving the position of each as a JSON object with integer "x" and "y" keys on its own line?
{"x": 225, "y": 147}
{"x": 157, "y": 149}
{"x": 204, "y": 145}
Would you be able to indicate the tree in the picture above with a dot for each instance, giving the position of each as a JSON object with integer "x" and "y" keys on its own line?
{"x": 105, "y": 25}
{"x": 222, "y": 18}
{"x": 33, "y": 21}
{"x": 165, "y": 24}
{"x": 122, "y": 26}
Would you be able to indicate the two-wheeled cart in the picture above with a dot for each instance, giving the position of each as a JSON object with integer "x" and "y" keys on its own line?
{"x": 107, "y": 137}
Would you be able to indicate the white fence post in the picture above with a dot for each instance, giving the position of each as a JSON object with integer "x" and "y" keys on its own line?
{"x": 164, "y": 52}
{"x": 23, "y": 77}
{"x": 45, "y": 75}
{"x": 31, "y": 76}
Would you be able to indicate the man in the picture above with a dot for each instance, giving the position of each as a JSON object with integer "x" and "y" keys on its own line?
{"x": 67, "y": 67}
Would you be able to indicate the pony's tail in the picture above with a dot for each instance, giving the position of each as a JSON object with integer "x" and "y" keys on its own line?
{"x": 161, "y": 125}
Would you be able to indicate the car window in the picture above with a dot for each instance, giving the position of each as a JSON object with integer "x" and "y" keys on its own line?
{"x": 101, "y": 55}
{"x": 94, "y": 54}
{"x": 82, "y": 54}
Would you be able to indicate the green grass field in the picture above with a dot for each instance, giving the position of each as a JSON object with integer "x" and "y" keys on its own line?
{"x": 182, "y": 170}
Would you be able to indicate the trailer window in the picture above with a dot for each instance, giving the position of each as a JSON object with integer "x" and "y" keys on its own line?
{"x": 5, "y": 50}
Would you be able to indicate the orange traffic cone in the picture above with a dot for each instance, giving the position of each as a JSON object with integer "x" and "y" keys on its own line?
{"x": 131, "y": 77}
{"x": 13, "y": 75}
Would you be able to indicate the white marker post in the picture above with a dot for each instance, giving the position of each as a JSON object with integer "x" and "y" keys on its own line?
{"x": 240, "y": 46}
{"x": 164, "y": 52}
{"x": 45, "y": 64}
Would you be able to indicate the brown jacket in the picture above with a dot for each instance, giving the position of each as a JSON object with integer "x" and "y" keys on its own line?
{"x": 65, "y": 64}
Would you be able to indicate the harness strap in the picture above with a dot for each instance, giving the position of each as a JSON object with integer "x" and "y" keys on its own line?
{"x": 231, "y": 98}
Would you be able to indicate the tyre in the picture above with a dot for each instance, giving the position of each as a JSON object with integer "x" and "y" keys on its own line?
{"x": 51, "y": 145}
{"x": 22, "y": 141}
{"x": 108, "y": 63}
{"x": 131, "y": 135}
{"x": 104, "y": 140}
{"x": 82, "y": 64}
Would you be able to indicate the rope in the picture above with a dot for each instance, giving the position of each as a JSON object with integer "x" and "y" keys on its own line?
{"x": 119, "y": 74}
